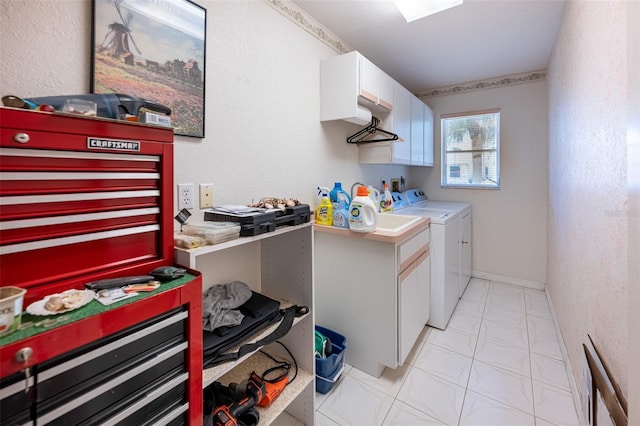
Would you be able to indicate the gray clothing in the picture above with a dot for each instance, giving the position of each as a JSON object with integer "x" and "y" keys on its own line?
{"x": 219, "y": 304}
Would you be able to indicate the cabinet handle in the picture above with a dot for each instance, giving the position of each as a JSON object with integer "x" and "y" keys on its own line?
{"x": 21, "y": 137}
{"x": 465, "y": 242}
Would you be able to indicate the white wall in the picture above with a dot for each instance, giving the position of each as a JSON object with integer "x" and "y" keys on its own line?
{"x": 263, "y": 135}
{"x": 588, "y": 212}
{"x": 509, "y": 224}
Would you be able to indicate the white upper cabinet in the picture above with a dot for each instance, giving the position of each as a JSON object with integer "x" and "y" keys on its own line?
{"x": 417, "y": 131}
{"x": 352, "y": 88}
{"x": 398, "y": 152}
{"x": 386, "y": 90}
{"x": 428, "y": 136}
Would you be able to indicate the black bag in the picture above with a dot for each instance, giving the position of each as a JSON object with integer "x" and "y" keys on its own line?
{"x": 259, "y": 312}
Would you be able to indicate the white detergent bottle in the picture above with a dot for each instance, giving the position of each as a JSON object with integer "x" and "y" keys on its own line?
{"x": 386, "y": 200}
{"x": 363, "y": 214}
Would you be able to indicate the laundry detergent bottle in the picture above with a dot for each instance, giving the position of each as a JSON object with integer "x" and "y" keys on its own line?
{"x": 341, "y": 201}
{"x": 386, "y": 200}
{"x": 362, "y": 212}
{"x": 324, "y": 211}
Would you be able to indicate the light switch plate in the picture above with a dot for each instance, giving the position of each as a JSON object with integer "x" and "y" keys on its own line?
{"x": 206, "y": 195}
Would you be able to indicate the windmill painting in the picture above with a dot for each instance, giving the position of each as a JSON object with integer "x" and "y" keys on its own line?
{"x": 154, "y": 50}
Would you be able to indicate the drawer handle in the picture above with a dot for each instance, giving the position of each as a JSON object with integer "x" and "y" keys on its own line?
{"x": 21, "y": 137}
{"x": 23, "y": 355}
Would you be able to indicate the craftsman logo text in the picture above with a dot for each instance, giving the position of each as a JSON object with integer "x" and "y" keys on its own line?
{"x": 114, "y": 144}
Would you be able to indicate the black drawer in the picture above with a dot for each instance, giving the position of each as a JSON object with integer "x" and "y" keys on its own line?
{"x": 103, "y": 403}
{"x": 108, "y": 357}
{"x": 109, "y": 378}
{"x": 15, "y": 403}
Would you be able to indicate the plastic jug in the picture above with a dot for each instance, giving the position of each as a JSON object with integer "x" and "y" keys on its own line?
{"x": 386, "y": 200}
{"x": 363, "y": 214}
{"x": 374, "y": 194}
{"x": 324, "y": 211}
{"x": 337, "y": 192}
{"x": 341, "y": 201}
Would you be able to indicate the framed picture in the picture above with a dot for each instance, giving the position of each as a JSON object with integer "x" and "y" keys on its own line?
{"x": 154, "y": 50}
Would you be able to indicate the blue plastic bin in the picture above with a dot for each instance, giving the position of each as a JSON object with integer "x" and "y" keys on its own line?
{"x": 325, "y": 384}
{"x": 327, "y": 367}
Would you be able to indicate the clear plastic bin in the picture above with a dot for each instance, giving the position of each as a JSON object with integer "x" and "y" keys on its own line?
{"x": 213, "y": 232}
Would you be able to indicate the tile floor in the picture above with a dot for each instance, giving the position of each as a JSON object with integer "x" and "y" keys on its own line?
{"x": 497, "y": 363}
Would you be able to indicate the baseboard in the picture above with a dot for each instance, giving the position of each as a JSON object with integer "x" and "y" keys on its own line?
{"x": 508, "y": 280}
{"x": 567, "y": 364}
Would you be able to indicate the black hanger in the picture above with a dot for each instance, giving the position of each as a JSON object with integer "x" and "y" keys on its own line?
{"x": 359, "y": 136}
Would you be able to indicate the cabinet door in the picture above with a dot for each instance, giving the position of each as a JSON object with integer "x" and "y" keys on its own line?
{"x": 428, "y": 136}
{"x": 465, "y": 252}
{"x": 386, "y": 89}
{"x": 413, "y": 308}
{"x": 402, "y": 125}
{"x": 417, "y": 131}
{"x": 368, "y": 80}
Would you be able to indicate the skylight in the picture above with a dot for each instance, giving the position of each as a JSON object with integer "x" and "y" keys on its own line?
{"x": 417, "y": 9}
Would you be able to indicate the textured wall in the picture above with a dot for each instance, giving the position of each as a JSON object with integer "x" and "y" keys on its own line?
{"x": 263, "y": 134}
{"x": 509, "y": 225}
{"x": 587, "y": 232}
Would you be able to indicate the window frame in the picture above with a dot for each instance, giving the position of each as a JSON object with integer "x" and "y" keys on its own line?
{"x": 444, "y": 181}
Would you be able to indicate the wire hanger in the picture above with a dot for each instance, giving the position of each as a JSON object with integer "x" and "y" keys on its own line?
{"x": 359, "y": 136}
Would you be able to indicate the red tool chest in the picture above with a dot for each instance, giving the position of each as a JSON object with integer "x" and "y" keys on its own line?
{"x": 83, "y": 199}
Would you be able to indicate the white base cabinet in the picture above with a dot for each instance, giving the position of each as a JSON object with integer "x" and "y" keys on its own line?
{"x": 278, "y": 264}
{"x": 375, "y": 293}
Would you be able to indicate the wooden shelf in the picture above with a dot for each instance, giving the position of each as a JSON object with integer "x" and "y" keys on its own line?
{"x": 259, "y": 362}
{"x": 212, "y": 374}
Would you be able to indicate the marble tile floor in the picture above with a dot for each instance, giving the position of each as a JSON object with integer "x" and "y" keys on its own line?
{"x": 498, "y": 362}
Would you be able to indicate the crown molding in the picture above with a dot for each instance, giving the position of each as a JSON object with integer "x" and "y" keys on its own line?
{"x": 309, "y": 24}
{"x": 507, "y": 80}
{"x": 305, "y": 21}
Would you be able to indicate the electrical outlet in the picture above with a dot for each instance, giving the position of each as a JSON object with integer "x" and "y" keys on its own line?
{"x": 206, "y": 195}
{"x": 185, "y": 196}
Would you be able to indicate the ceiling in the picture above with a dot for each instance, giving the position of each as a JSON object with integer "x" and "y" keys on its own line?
{"x": 480, "y": 39}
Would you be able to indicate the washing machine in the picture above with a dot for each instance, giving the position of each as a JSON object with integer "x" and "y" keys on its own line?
{"x": 450, "y": 249}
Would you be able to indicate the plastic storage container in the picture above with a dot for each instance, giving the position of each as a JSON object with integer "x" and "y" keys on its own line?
{"x": 11, "y": 300}
{"x": 213, "y": 232}
{"x": 329, "y": 369}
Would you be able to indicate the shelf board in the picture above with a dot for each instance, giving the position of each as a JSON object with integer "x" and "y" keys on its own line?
{"x": 240, "y": 241}
{"x": 259, "y": 362}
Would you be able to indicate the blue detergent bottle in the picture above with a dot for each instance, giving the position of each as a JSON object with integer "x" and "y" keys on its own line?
{"x": 341, "y": 201}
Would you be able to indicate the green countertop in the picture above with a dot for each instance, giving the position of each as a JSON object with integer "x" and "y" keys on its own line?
{"x": 46, "y": 323}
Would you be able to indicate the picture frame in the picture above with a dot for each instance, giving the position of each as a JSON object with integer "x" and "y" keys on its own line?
{"x": 154, "y": 50}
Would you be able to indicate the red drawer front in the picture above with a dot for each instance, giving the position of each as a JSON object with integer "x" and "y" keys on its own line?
{"x": 73, "y": 213}
{"x": 38, "y": 266}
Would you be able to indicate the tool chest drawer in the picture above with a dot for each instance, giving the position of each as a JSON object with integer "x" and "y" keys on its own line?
{"x": 138, "y": 375}
{"x": 80, "y": 197}
{"x": 15, "y": 399}
{"x": 85, "y": 199}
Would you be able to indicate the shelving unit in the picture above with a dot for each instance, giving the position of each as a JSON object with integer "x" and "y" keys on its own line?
{"x": 278, "y": 264}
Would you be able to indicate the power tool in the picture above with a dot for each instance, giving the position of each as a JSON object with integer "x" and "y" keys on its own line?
{"x": 232, "y": 413}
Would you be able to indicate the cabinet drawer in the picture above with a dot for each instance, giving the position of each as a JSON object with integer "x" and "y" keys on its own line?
{"x": 113, "y": 374}
{"x": 411, "y": 249}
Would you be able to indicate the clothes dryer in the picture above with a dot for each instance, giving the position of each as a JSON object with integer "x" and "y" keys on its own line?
{"x": 450, "y": 249}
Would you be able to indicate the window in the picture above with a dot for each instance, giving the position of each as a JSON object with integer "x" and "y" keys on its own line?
{"x": 471, "y": 149}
